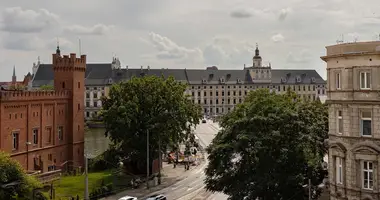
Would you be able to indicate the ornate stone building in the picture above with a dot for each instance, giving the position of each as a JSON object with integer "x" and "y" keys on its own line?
{"x": 353, "y": 95}
{"x": 216, "y": 90}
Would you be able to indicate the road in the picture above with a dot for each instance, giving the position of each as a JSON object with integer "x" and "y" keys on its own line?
{"x": 192, "y": 188}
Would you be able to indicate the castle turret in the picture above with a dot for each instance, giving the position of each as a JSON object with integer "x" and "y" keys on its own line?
{"x": 69, "y": 74}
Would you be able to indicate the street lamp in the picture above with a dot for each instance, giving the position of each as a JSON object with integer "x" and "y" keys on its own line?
{"x": 86, "y": 193}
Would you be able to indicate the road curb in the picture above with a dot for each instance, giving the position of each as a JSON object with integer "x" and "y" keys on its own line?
{"x": 178, "y": 179}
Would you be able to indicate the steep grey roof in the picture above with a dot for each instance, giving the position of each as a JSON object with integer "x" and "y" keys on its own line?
{"x": 96, "y": 74}
{"x": 213, "y": 76}
{"x": 291, "y": 75}
{"x": 102, "y": 74}
{"x": 127, "y": 74}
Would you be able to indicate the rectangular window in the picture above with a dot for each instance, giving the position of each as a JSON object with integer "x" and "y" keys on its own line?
{"x": 60, "y": 132}
{"x": 339, "y": 170}
{"x": 337, "y": 81}
{"x": 95, "y": 95}
{"x": 340, "y": 122}
{"x": 35, "y": 136}
{"x": 365, "y": 80}
{"x": 87, "y": 95}
{"x": 366, "y": 123}
{"x": 49, "y": 134}
{"x": 95, "y": 104}
{"x": 368, "y": 175}
{"x": 15, "y": 141}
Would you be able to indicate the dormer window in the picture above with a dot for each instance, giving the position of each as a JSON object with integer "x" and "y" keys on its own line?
{"x": 222, "y": 80}
{"x": 110, "y": 81}
{"x": 238, "y": 80}
{"x": 283, "y": 80}
{"x": 204, "y": 81}
{"x": 298, "y": 79}
{"x": 312, "y": 79}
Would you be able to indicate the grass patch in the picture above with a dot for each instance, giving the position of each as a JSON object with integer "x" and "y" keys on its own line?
{"x": 71, "y": 186}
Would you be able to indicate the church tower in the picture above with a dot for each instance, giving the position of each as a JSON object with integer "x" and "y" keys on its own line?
{"x": 69, "y": 74}
{"x": 14, "y": 78}
{"x": 257, "y": 58}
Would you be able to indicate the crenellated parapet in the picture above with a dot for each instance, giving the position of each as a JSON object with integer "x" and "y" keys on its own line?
{"x": 34, "y": 95}
{"x": 69, "y": 63}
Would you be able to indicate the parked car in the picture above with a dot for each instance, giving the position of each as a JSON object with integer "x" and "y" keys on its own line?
{"x": 128, "y": 198}
{"x": 157, "y": 197}
{"x": 203, "y": 120}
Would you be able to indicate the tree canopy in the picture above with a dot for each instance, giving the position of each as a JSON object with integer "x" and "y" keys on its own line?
{"x": 268, "y": 148}
{"x": 148, "y": 104}
{"x": 14, "y": 182}
{"x": 46, "y": 87}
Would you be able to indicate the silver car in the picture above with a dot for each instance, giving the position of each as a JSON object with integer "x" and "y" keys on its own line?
{"x": 157, "y": 197}
{"x": 128, "y": 198}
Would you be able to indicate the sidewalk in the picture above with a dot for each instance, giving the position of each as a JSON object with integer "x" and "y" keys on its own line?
{"x": 170, "y": 176}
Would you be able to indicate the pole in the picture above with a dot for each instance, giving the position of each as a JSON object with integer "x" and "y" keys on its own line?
{"x": 309, "y": 189}
{"x": 86, "y": 195}
{"x": 147, "y": 159}
{"x": 159, "y": 160}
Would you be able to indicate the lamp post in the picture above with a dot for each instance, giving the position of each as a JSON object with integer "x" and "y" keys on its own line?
{"x": 147, "y": 159}
{"x": 86, "y": 194}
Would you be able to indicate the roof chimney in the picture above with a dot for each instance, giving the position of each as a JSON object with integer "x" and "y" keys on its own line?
{"x": 148, "y": 67}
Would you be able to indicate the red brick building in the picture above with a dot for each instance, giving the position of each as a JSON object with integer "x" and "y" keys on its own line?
{"x": 14, "y": 84}
{"x": 44, "y": 130}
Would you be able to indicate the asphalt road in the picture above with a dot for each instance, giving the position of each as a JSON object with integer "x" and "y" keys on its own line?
{"x": 192, "y": 187}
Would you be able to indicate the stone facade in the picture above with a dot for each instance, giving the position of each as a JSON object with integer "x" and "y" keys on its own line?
{"x": 353, "y": 86}
{"x": 44, "y": 130}
{"x": 217, "y": 90}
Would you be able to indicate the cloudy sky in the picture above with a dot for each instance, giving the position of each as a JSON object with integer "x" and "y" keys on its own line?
{"x": 182, "y": 33}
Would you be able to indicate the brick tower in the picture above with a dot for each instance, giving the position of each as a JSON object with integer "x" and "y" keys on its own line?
{"x": 69, "y": 74}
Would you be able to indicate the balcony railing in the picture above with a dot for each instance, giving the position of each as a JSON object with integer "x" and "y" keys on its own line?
{"x": 49, "y": 177}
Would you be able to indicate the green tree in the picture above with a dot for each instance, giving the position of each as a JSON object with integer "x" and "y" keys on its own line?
{"x": 148, "y": 104}
{"x": 46, "y": 87}
{"x": 14, "y": 182}
{"x": 17, "y": 87}
{"x": 268, "y": 148}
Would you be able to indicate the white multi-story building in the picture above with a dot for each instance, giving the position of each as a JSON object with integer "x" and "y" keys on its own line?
{"x": 217, "y": 91}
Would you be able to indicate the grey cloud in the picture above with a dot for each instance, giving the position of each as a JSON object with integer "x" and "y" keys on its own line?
{"x": 18, "y": 20}
{"x": 23, "y": 43}
{"x": 33, "y": 43}
{"x": 227, "y": 52}
{"x": 277, "y": 38}
{"x": 170, "y": 50}
{"x": 241, "y": 13}
{"x": 98, "y": 29}
{"x": 283, "y": 14}
{"x": 302, "y": 57}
